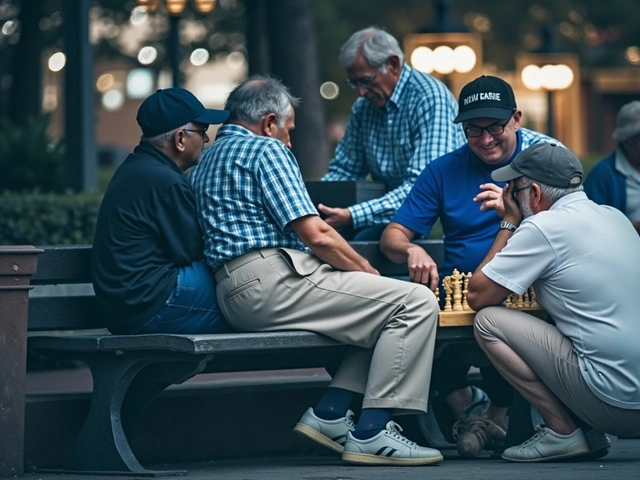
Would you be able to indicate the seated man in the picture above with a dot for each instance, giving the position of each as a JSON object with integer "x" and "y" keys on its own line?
{"x": 147, "y": 263}
{"x": 615, "y": 180}
{"x": 450, "y": 188}
{"x": 582, "y": 373}
{"x": 402, "y": 120}
{"x": 278, "y": 266}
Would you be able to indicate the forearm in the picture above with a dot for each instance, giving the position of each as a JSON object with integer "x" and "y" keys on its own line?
{"x": 333, "y": 249}
{"x": 395, "y": 244}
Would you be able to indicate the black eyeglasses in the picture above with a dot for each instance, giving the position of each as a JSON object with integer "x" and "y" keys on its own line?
{"x": 516, "y": 190}
{"x": 364, "y": 82}
{"x": 202, "y": 132}
{"x": 495, "y": 129}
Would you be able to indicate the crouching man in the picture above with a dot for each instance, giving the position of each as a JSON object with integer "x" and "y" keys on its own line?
{"x": 583, "y": 372}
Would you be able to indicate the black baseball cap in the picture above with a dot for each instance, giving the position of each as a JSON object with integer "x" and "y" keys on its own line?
{"x": 486, "y": 97}
{"x": 547, "y": 163}
{"x": 173, "y": 107}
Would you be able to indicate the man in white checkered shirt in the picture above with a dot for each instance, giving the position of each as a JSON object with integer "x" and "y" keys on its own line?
{"x": 402, "y": 120}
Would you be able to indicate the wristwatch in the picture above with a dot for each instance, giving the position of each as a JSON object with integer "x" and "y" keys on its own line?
{"x": 507, "y": 226}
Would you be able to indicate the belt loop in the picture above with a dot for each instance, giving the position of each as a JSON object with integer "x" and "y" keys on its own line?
{"x": 226, "y": 270}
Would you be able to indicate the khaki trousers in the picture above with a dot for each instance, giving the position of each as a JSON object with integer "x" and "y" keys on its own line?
{"x": 551, "y": 356}
{"x": 392, "y": 324}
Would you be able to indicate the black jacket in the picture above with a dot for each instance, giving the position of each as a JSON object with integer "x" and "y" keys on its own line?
{"x": 147, "y": 228}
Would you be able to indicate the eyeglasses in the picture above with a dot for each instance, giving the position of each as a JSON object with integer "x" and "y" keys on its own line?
{"x": 516, "y": 190}
{"x": 495, "y": 129}
{"x": 364, "y": 82}
{"x": 202, "y": 132}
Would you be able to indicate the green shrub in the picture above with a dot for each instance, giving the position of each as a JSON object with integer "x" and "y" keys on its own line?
{"x": 29, "y": 157}
{"x": 48, "y": 219}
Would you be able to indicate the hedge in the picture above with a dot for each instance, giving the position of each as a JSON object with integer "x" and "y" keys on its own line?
{"x": 37, "y": 218}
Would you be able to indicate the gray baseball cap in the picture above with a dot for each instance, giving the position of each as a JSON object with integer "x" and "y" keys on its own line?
{"x": 547, "y": 163}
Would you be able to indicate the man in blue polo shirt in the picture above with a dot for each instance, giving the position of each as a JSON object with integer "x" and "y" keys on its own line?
{"x": 457, "y": 189}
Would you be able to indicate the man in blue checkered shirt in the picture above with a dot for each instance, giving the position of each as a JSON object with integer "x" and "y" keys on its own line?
{"x": 402, "y": 120}
{"x": 279, "y": 266}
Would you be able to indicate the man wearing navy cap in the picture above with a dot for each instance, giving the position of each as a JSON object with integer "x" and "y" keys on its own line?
{"x": 458, "y": 190}
{"x": 582, "y": 372}
{"x": 148, "y": 267}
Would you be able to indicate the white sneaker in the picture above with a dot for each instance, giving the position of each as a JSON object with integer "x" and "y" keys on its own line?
{"x": 328, "y": 433}
{"x": 547, "y": 445}
{"x": 389, "y": 447}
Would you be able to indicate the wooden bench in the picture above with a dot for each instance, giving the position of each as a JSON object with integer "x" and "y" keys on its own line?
{"x": 129, "y": 371}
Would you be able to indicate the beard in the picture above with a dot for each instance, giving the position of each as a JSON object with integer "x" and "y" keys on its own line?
{"x": 525, "y": 206}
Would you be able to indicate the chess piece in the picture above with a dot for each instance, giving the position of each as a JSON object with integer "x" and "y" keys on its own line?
{"x": 465, "y": 290}
{"x": 456, "y": 284}
{"x": 446, "y": 283}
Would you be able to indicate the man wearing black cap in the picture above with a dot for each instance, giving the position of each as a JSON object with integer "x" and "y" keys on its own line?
{"x": 148, "y": 267}
{"x": 457, "y": 189}
{"x": 582, "y": 372}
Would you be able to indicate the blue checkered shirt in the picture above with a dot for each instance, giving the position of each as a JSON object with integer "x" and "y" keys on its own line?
{"x": 395, "y": 143}
{"x": 248, "y": 188}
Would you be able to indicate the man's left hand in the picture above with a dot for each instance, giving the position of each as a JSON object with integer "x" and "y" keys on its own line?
{"x": 336, "y": 217}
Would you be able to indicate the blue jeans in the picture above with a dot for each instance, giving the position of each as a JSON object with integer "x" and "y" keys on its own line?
{"x": 192, "y": 306}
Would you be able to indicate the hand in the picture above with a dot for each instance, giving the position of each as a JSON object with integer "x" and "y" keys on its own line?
{"x": 336, "y": 217}
{"x": 511, "y": 212}
{"x": 422, "y": 268}
{"x": 490, "y": 198}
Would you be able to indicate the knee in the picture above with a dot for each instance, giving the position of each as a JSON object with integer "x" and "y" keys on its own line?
{"x": 421, "y": 298}
{"x": 484, "y": 324}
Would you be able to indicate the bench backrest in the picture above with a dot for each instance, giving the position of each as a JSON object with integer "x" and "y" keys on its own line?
{"x": 68, "y": 265}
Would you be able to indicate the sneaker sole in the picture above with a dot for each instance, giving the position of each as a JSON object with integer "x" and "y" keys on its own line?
{"x": 316, "y": 437}
{"x": 580, "y": 453}
{"x": 365, "y": 459}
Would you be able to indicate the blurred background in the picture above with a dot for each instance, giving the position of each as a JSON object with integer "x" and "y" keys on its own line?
{"x": 74, "y": 72}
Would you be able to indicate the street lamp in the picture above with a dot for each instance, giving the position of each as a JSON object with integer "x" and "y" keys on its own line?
{"x": 175, "y": 9}
{"x": 552, "y": 70}
{"x": 445, "y": 49}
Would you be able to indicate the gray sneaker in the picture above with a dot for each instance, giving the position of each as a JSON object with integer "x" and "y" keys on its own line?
{"x": 328, "y": 433}
{"x": 598, "y": 442}
{"x": 547, "y": 445}
{"x": 474, "y": 434}
{"x": 389, "y": 447}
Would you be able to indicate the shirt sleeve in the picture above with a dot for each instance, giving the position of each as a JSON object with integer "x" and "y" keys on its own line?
{"x": 349, "y": 162}
{"x": 421, "y": 208}
{"x": 527, "y": 257}
{"x": 435, "y": 136}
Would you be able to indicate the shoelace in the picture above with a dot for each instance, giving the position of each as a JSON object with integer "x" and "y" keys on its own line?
{"x": 540, "y": 432}
{"x": 395, "y": 430}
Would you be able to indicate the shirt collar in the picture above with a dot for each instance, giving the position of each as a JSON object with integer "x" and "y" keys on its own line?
{"x": 567, "y": 199}
{"x": 232, "y": 129}
{"x": 398, "y": 91}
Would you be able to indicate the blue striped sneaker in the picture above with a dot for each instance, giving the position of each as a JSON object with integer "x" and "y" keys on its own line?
{"x": 328, "y": 433}
{"x": 389, "y": 447}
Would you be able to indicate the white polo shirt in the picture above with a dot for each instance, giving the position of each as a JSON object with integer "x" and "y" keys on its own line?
{"x": 583, "y": 261}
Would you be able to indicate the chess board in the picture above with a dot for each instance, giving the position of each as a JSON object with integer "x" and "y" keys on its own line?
{"x": 456, "y": 310}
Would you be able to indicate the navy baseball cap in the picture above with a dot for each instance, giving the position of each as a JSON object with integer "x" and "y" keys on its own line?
{"x": 486, "y": 97}
{"x": 547, "y": 163}
{"x": 173, "y": 107}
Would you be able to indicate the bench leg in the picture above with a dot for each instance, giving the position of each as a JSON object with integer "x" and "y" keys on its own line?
{"x": 102, "y": 447}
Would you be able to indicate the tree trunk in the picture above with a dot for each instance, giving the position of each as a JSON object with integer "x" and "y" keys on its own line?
{"x": 256, "y": 33}
{"x": 294, "y": 58}
{"x": 25, "y": 99}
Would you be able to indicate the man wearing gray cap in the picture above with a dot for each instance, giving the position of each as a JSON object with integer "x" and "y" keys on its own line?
{"x": 615, "y": 180}
{"x": 147, "y": 265}
{"x": 582, "y": 372}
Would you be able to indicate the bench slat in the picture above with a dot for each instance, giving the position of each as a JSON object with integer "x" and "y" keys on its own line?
{"x": 64, "y": 313}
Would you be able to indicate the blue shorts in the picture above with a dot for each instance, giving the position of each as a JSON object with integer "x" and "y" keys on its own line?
{"x": 192, "y": 306}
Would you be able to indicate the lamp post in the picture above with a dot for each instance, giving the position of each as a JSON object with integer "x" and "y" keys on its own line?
{"x": 445, "y": 48}
{"x": 175, "y": 9}
{"x": 552, "y": 70}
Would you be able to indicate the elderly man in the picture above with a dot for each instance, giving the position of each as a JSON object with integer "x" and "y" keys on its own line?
{"x": 147, "y": 264}
{"x": 402, "y": 120}
{"x": 582, "y": 372}
{"x": 454, "y": 188}
{"x": 615, "y": 180}
{"x": 279, "y": 266}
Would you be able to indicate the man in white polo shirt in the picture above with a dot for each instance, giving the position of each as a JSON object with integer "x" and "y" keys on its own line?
{"x": 583, "y": 373}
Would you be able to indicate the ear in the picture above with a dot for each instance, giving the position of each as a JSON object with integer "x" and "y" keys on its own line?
{"x": 536, "y": 200}
{"x": 179, "y": 140}
{"x": 394, "y": 64}
{"x": 269, "y": 125}
{"x": 516, "y": 118}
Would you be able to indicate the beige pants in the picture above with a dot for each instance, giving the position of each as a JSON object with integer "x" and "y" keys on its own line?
{"x": 551, "y": 356}
{"x": 393, "y": 322}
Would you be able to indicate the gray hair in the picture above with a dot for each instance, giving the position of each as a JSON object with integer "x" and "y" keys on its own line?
{"x": 259, "y": 95}
{"x": 376, "y": 47}
{"x": 163, "y": 140}
{"x": 553, "y": 194}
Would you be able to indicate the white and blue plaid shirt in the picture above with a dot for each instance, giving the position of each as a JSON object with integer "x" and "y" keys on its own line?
{"x": 248, "y": 188}
{"x": 393, "y": 144}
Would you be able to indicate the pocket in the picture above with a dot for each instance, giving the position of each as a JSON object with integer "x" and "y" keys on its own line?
{"x": 303, "y": 263}
{"x": 242, "y": 288}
